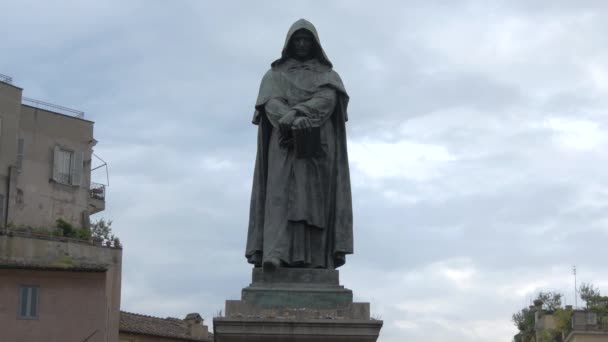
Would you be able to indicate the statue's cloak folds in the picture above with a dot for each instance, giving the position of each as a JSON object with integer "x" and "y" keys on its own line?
{"x": 339, "y": 225}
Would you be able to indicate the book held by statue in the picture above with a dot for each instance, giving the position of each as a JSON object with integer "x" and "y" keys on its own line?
{"x": 307, "y": 142}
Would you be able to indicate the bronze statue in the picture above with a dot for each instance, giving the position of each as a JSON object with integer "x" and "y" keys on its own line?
{"x": 301, "y": 210}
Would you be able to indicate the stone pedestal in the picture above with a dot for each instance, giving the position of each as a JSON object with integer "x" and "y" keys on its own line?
{"x": 296, "y": 304}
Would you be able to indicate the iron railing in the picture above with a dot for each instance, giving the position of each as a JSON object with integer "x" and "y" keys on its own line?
{"x": 589, "y": 320}
{"x": 6, "y": 79}
{"x": 50, "y": 236}
{"x": 98, "y": 191}
{"x": 53, "y": 107}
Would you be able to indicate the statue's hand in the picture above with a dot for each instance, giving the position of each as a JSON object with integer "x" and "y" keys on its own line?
{"x": 286, "y": 121}
{"x": 302, "y": 122}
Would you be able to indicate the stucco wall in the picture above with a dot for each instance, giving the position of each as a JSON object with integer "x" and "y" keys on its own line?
{"x": 72, "y": 306}
{"x": 40, "y": 201}
{"x": 10, "y": 107}
{"x": 64, "y": 254}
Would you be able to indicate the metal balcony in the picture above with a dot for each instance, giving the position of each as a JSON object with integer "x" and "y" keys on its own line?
{"x": 97, "y": 198}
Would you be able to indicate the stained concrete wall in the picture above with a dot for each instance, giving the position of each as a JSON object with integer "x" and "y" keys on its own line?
{"x": 10, "y": 109}
{"x": 39, "y": 200}
{"x": 71, "y": 307}
{"x": 32, "y": 198}
{"x": 74, "y": 301}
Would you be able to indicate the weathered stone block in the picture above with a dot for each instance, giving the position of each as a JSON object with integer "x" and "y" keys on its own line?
{"x": 300, "y": 276}
{"x": 242, "y": 309}
{"x": 296, "y": 305}
{"x": 274, "y": 330}
{"x": 290, "y": 297}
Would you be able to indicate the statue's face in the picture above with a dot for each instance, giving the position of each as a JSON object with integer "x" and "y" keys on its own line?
{"x": 302, "y": 45}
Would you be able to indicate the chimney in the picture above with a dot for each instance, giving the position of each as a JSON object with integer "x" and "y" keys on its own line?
{"x": 538, "y": 314}
{"x": 194, "y": 321}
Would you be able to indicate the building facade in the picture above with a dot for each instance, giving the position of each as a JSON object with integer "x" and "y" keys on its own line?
{"x": 45, "y": 163}
{"x": 58, "y": 287}
{"x": 52, "y": 289}
{"x": 578, "y": 325}
{"x": 587, "y": 326}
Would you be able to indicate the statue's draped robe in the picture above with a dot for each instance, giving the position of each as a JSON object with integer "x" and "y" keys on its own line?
{"x": 301, "y": 211}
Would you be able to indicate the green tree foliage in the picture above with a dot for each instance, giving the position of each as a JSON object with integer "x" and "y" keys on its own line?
{"x": 562, "y": 319}
{"x": 68, "y": 230}
{"x": 595, "y": 302}
{"x": 101, "y": 230}
{"x": 551, "y": 300}
{"x": 524, "y": 320}
{"x": 589, "y": 294}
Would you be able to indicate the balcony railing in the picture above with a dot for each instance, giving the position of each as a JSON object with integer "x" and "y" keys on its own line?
{"x": 589, "y": 320}
{"x": 52, "y": 235}
{"x": 98, "y": 191}
{"x": 53, "y": 107}
{"x": 6, "y": 79}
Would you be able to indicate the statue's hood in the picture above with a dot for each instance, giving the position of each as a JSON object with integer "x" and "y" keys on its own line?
{"x": 306, "y": 25}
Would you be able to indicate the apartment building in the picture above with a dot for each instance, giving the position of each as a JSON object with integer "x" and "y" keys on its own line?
{"x": 55, "y": 287}
{"x": 58, "y": 289}
{"x": 45, "y": 163}
{"x": 587, "y": 326}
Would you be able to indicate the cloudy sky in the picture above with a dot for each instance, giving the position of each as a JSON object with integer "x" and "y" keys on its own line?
{"x": 478, "y": 141}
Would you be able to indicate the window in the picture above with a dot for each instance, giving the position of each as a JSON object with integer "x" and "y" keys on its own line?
{"x": 67, "y": 166}
{"x": 28, "y": 302}
{"x": 63, "y": 164}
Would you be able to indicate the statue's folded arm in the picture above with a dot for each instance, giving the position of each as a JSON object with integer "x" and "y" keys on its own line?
{"x": 275, "y": 109}
{"x": 320, "y": 107}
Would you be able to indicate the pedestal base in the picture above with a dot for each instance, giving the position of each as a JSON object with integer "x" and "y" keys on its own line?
{"x": 296, "y": 304}
{"x": 278, "y": 330}
{"x": 296, "y": 288}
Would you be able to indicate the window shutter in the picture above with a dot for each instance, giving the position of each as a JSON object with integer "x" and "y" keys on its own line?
{"x": 56, "y": 161}
{"x": 77, "y": 166}
{"x": 19, "y": 155}
{"x": 23, "y": 298}
{"x": 34, "y": 302}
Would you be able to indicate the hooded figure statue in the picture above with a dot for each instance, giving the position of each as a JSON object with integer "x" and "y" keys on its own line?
{"x": 301, "y": 210}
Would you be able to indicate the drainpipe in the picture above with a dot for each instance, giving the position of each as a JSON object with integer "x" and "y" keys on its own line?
{"x": 8, "y": 197}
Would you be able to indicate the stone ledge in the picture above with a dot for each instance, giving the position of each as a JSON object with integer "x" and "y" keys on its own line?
{"x": 316, "y": 298}
{"x": 277, "y": 330}
{"x": 241, "y": 309}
